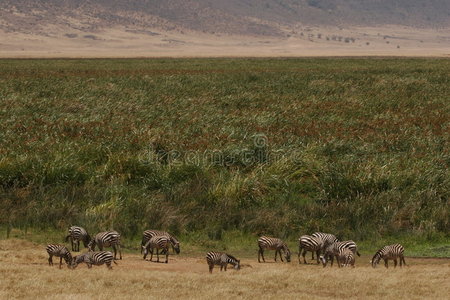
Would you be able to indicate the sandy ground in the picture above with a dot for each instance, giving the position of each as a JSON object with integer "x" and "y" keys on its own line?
{"x": 26, "y": 274}
{"x": 301, "y": 41}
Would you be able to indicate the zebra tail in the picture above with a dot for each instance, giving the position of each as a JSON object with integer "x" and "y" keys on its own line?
{"x": 115, "y": 262}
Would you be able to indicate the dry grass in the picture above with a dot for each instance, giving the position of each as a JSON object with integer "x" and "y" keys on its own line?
{"x": 27, "y": 275}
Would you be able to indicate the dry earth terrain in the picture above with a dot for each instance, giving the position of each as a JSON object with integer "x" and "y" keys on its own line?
{"x": 25, "y": 275}
{"x": 184, "y": 28}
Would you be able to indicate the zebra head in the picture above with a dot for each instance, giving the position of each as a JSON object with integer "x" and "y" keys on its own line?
{"x": 68, "y": 259}
{"x": 91, "y": 245}
{"x": 237, "y": 266}
{"x": 87, "y": 240}
{"x": 175, "y": 245}
{"x": 375, "y": 259}
{"x": 323, "y": 259}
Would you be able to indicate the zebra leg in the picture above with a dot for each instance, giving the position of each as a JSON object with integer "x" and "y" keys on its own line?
{"x": 211, "y": 267}
{"x": 221, "y": 267}
{"x": 60, "y": 261}
{"x": 78, "y": 245}
{"x": 225, "y": 267}
{"x": 317, "y": 254}
{"x": 50, "y": 260}
{"x": 89, "y": 265}
{"x": 120, "y": 251}
{"x": 167, "y": 255}
{"x": 386, "y": 263}
{"x": 303, "y": 254}
{"x": 261, "y": 252}
{"x": 299, "y": 253}
{"x": 157, "y": 255}
{"x": 108, "y": 264}
{"x": 402, "y": 258}
{"x": 115, "y": 251}
{"x": 357, "y": 253}
{"x": 395, "y": 263}
{"x": 151, "y": 254}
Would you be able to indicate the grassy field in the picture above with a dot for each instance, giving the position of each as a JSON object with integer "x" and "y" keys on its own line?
{"x": 218, "y": 150}
{"x": 26, "y": 275}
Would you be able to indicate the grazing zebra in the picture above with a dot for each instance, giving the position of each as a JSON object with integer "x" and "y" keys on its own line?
{"x": 389, "y": 252}
{"x": 157, "y": 242}
{"x": 309, "y": 243}
{"x": 270, "y": 243}
{"x": 148, "y": 234}
{"x": 222, "y": 259}
{"x": 77, "y": 234}
{"x": 60, "y": 251}
{"x": 327, "y": 239}
{"x": 346, "y": 258}
{"x": 334, "y": 249}
{"x": 106, "y": 239}
{"x": 94, "y": 258}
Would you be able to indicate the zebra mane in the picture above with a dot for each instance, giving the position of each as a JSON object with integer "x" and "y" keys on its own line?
{"x": 232, "y": 257}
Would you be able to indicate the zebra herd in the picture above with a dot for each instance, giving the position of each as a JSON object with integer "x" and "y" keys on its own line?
{"x": 325, "y": 246}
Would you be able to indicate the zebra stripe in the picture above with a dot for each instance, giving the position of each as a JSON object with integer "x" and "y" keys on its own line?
{"x": 309, "y": 243}
{"x": 333, "y": 250}
{"x": 77, "y": 234}
{"x": 270, "y": 243}
{"x": 148, "y": 234}
{"x": 106, "y": 239}
{"x": 327, "y": 239}
{"x": 94, "y": 258}
{"x": 346, "y": 258}
{"x": 60, "y": 251}
{"x": 221, "y": 259}
{"x": 157, "y": 242}
{"x": 393, "y": 252}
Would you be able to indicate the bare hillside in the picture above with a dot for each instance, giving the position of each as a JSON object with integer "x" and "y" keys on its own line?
{"x": 232, "y": 27}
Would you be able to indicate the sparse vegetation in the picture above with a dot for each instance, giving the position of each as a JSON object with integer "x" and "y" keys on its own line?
{"x": 358, "y": 147}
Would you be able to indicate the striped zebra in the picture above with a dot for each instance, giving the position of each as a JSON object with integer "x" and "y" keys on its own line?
{"x": 77, "y": 234}
{"x": 222, "y": 259}
{"x": 60, "y": 251}
{"x": 94, "y": 258}
{"x": 333, "y": 250}
{"x": 148, "y": 234}
{"x": 270, "y": 243}
{"x": 393, "y": 252}
{"x": 157, "y": 242}
{"x": 309, "y": 243}
{"x": 106, "y": 239}
{"x": 346, "y": 258}
{"x": 327, "y": 239}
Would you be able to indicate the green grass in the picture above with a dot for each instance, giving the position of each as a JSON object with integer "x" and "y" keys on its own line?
{"x": 213, "y": 148}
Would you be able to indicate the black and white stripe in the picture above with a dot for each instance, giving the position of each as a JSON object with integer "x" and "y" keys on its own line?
{"x": 94, "y": 258}
{"x": 106, "y": 239}
{"x": 309, "y": 243}
{"x": 333, "y": 250}
{"x": 60, "y": 251}
{"x": 221, "y": 259}
{"x": 158, "y": 242}
{"x": 394, "y": 252}
{"x": 346, "y": 258}
{"x": 77, "y": 234}
{"x": 327, "y": 239}
{"x": 148, "y": 234}
{"x": 270, "y": 243}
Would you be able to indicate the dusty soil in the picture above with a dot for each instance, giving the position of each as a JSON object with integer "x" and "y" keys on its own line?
{"x": 26, "y": 274}
{"x": 304, "y": 41}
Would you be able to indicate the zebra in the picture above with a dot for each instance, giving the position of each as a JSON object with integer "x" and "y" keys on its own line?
{"x": 346, "y": 258}
{"x": 327, "y": 239}
{"x": 77, "y": 234}
{"x": 157, "y": 242}
{"x": 60, "y": 251}
{"x": 222, "y": 259}
{"x": 309, "y": 243}
{"x": 271, "y": 243}
{"x": 334, "y": 249}
{"x": 148, "y": 234}
{"x": 389, "y": 252}
{"x": 94, "y": 258}
{"x": 106, "y": 239}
